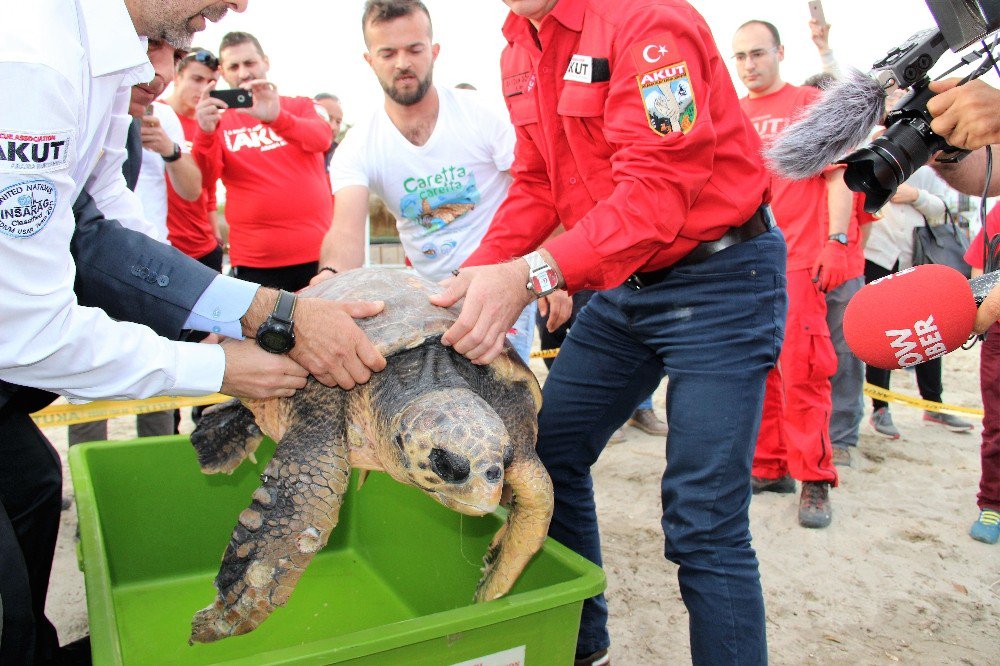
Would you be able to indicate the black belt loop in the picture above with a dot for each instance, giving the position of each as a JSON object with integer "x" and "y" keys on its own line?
{"x": 761, "y": 221}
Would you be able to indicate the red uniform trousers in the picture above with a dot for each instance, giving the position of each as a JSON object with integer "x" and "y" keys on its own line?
{"x": 795, "y": 425}
{"x": 989, "y": 385}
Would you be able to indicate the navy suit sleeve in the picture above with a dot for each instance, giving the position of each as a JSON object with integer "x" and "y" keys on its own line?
{"x": 131, "y": 276}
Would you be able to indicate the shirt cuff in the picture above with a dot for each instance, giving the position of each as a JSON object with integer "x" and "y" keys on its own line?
{"x": 200, "y": 369}
{"x": 282, "y": 121}
{"x": 221, "y": 305}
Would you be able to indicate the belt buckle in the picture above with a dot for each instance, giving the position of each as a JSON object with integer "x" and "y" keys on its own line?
{"x": 634, "y": 282}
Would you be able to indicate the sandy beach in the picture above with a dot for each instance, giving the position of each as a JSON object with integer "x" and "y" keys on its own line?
{"x": 895, "y": 579}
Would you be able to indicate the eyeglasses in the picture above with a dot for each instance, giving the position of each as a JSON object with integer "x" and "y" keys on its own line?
{"x": 204, "y": 58}
{"x": 754, "y": 55}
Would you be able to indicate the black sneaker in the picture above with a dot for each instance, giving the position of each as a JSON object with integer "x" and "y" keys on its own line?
{"x": 784, "y": 485}
{"x": 599, "y": 658}
{"x": 814, "y": 504}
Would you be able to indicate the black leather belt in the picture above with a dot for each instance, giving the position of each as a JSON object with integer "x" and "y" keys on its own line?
{"x": 759, "y": 222}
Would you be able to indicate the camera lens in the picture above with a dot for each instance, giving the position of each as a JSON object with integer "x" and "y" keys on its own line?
{"x": 880, "y": 168}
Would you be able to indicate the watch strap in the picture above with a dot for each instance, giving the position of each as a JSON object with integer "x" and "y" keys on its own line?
{"x": 284, "y": 307}
{"x": 174, "y": 156}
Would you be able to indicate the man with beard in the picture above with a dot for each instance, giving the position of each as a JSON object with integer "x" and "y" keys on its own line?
{"x": 438, "y": 157}
{"x": 63, "y": 141}
{"x": 271, "y": 159}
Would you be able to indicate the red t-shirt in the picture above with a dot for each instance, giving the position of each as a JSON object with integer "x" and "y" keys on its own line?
{"x": 800, "y": 206}
{"x": 855, "y": 248}
{"x": 974, "y": 255}
{"x": 188, "y": 226}
{"x": 278, "y": 202}
{"x": 633, "y": 191}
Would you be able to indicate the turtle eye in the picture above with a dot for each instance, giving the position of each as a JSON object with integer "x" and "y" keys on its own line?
{"x": 399, "y": 441}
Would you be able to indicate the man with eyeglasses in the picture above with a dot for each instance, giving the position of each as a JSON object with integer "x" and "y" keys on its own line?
{"x": 794, "y": 441}
{"x": 193, "y": 226}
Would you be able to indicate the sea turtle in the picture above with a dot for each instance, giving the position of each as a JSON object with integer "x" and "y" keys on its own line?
{"x": 462, "y": 433}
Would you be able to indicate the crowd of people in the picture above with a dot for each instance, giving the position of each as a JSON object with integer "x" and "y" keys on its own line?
{"x": 636, "y": 226}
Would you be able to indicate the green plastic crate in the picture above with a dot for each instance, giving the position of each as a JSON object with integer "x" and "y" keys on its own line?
{"x": 393, "y": 585}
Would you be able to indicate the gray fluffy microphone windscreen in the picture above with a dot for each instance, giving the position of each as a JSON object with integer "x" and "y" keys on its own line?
{"x": 840, "y": 121}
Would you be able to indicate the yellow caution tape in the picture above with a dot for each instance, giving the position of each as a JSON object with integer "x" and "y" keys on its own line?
{"x": 64, "y": 415}
{"x": 891, "y": 396}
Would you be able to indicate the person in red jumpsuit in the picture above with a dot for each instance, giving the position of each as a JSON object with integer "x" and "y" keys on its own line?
{"x": 630, "y": 135}
{"x": 814, "y": 214}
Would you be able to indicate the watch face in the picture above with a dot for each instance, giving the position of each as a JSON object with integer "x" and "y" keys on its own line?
{"x": 274, "y": 341}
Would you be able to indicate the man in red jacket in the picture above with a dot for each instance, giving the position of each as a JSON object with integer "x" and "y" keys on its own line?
{"x": 630, "y": 135}
{"x": 271, "y": 160}
{"x": 814, "y": 215}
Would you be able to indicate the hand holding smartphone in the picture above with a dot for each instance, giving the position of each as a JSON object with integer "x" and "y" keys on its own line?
{"x": 235, "y": 98}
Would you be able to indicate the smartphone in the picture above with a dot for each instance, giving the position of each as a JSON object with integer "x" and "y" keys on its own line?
{"x": 816, "y": 11}
{"x": 236, "y": 98}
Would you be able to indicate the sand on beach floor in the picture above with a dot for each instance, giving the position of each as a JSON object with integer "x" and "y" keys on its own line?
{"x": 894, "y": 579}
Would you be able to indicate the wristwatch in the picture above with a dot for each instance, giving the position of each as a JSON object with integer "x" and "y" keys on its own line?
{"x": 277, "y": 334}
{"x": 840, "y": 238}
{"x": 174, "y": 156}
{"x": 542, "y": 278}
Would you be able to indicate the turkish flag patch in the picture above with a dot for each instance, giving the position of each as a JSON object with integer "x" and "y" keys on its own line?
{"x": 655, "y": 52}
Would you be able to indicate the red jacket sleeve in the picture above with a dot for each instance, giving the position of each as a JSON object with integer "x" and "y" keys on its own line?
{"x": 656, "y": 178}
{"x": 207, "y": 152}
{"x": 300, "y": 124}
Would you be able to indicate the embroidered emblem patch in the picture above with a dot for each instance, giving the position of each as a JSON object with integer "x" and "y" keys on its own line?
{"x": 668, "y": 98}
{"x": 655, "y": 52}
{"x": 26, "y": 207}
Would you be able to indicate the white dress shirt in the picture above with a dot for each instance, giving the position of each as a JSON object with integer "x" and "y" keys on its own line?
{"x": 63, "y": 123}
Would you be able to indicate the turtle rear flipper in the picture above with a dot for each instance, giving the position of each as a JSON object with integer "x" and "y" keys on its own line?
{"x": 226, "y": 434}
{"x": 528, "y": 517}
{"x": 290, "y": 519}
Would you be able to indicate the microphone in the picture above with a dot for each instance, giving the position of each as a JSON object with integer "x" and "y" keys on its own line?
{"x": 913, "y": 316}
{"x": 840, "y": 121}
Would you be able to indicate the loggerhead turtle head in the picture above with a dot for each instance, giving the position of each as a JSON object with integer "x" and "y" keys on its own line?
{"x": 452, "y": 445}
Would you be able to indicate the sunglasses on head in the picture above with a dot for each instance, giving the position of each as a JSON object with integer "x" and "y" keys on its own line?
{"x": 203, "y": 57}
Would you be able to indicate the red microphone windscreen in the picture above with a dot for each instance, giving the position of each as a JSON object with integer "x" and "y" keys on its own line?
{"x": 910, "y": 317}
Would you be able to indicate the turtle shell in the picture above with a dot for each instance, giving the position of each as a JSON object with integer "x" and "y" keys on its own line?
{"x": 409, "y": 319}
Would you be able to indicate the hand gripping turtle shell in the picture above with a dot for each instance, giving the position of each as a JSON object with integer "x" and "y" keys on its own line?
{"x": 462, "y": 433}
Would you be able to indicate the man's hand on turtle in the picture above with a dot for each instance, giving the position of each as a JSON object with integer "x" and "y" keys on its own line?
{"x": 329, "y": 343}
{"x": 494, "y": 298}
{"x": 252, "y": 372}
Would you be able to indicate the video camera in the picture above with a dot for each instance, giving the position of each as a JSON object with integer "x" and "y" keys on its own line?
{"x": 879, "y": 168}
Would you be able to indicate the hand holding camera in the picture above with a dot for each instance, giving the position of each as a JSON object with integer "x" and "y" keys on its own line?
{"x": 966, "y": 116}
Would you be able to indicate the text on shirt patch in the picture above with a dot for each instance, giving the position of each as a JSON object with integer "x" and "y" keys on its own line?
{"x": 26, "y": 207}
{"x": 516, "y": 84}
{"x": 259, "y": 137}
{"x": 587, "y": 69}
{"x": 668, "y": 99}
{"x": 37, "y": 152}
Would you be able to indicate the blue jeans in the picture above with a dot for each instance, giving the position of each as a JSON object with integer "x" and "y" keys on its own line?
{"x": 716, "y": 329}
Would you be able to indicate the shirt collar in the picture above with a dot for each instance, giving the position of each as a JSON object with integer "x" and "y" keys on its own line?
{"x": 112, "y": 42}
{"x": 568, "y": 12}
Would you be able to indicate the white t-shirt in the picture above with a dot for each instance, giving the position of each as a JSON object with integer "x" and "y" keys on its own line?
{"x": 444, "y": 193}
{"x": 151, "y": 188}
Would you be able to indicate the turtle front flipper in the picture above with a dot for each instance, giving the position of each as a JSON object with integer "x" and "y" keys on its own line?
{"x": 289, "y": 520}
{"x": 528, "y": 518}
{"x": 226, "y": 434}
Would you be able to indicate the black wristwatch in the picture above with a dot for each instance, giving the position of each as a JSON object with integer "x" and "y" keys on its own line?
{"x": 174, "y": 156}
{"x": 277, "y": 334}
{"x": 840, "y": 238}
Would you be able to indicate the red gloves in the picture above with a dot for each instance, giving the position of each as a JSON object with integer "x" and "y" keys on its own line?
{"x": 830, "y": 269}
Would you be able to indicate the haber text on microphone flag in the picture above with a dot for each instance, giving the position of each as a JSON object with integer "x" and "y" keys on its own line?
{"x": 910, "y": 317}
